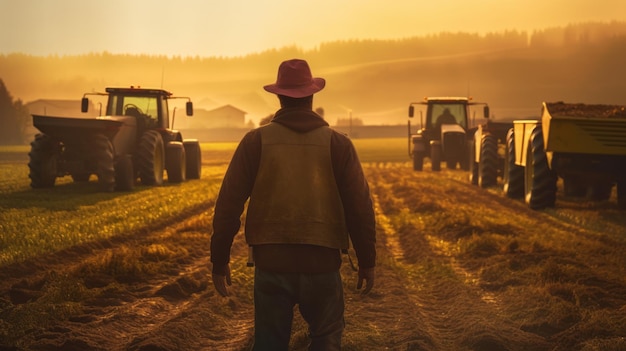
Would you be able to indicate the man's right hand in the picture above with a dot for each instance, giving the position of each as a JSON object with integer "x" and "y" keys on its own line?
{"x": 220, "y": 282}
{"x": 367, "y": 275}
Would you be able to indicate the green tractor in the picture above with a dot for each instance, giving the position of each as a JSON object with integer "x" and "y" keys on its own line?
{"x": 443, "y": 135}
{"x": 134, "y": 140}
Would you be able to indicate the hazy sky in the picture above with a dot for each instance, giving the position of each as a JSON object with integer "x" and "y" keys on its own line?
{"x": 239, "y": 27}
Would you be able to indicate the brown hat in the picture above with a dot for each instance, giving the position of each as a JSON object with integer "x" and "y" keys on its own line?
{"x": 295, "y": 80}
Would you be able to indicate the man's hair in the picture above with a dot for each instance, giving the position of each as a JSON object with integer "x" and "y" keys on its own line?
{"x": 286, "y": 101}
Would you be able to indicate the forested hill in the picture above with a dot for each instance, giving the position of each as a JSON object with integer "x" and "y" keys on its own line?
{"x": 374, "y": 79}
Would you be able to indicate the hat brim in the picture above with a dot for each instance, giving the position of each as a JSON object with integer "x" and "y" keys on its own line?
{"x": 316, "y": 85}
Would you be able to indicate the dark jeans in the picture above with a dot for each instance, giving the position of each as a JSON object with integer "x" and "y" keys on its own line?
{"x": 320, "y": 301}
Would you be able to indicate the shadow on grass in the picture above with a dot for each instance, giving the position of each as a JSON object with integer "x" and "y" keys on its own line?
{"x": 67, "y": 196}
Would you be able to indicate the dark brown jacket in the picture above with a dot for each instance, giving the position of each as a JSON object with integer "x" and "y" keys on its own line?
{"x": 237, "y": 187}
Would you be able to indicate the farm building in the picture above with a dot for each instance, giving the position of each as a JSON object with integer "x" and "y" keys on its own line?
{"x": 226, "y": 116}
{"x": 59, "y": 108}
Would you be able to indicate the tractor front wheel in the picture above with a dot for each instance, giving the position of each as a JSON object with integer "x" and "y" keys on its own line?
{"x": 193, "y": 156}
{"x": 435, "y": 156}
{"x": 151, "y": 158}
{"x": 175, "y": 162}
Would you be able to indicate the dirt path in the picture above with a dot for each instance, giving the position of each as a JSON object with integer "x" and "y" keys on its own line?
{"x": 460, "y": 268}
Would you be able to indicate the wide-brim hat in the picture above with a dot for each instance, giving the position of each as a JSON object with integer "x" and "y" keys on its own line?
{"x": 295, "y": 80}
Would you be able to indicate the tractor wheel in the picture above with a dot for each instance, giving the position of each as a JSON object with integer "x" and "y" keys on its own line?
{"x": 193, "y": 156}
{"x": 451, "y": 164}
{"x": 540, "y": 180}
{"x": 105, "y": 161}
{"x": 572, "y": 186}
{"x": 488, "y": 161}
{"x": 621, "y": 194}
{"x": 175, "y": 162}
{"x": 473, "y": 166}
{"x": 151, "y": 158}
{"x": 124, "y": 173}
{"x": 418, "y": 160}
{"x": 44, "y": 152}
{"x": 435, "y": 156}
{"x": 513, "y": 174}
{"x": 600, "y": 191}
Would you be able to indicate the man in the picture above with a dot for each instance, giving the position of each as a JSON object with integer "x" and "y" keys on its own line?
{"x": 308, "y": 199}
{"x": 445, "y": 118}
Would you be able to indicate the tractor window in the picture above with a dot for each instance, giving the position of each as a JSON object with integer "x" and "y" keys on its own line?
{"x": 448, "y": 113}
{"x": 147, "y": 106}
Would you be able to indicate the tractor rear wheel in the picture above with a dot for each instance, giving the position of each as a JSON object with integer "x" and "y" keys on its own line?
{"x": 105, "y": 161}
{"x": 151, "y": 158}
{"x": 513, "y": 174}
{"x": 193, "y": 156}
{"x": 488, "y": 162}
{"x": 44, "y": 152}
{"x": 540, "y": 180}
{"x": 175, "y": 162}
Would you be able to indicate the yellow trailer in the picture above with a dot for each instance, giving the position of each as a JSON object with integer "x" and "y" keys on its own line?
{"x": 583, "y": 144}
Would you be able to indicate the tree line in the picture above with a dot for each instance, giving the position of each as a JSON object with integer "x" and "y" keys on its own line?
{"x": 575, "y": 59}
{"x": 14, "y": 118}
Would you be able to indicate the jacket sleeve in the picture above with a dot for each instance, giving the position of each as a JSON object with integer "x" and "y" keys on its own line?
{"x": 234, "y": 192}
{"x": 356, "y": 199}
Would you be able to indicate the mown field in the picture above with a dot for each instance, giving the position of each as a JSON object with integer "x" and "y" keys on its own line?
{"x": 36, "y": 222}
{"x": 459, "y": 268}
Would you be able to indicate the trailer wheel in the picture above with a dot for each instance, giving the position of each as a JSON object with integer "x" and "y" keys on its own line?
{"x": 124, "y": 173}
{"x": 513, "y": 174}
{"x": 150, "y": 158}
{"x": 175, "y": 162}
{"x": 80, "y": 177}
{"x": 540, "y": 180}
{"x": 488, "y": 162}
{"x": 193, "y": 156}
{"x": 42, "y": 165}
{"x": 435, "y": 156}
{"x": 473, "y": 165}
{"x": 105, "y": 162}
{"x": 600, "y": 191}
{"x": 621, "y": 194}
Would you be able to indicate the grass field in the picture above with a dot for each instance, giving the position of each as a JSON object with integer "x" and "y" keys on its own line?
{"x": 35, "y": 222}
{"x": 458, "y": 267}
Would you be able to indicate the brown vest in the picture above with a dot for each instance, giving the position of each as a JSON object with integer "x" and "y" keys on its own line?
{"x": 295, "y": 198}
